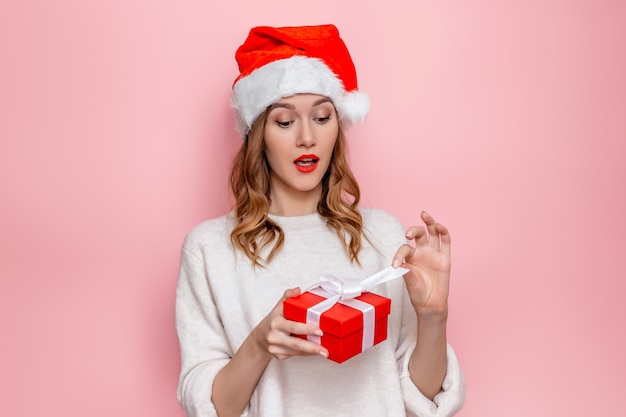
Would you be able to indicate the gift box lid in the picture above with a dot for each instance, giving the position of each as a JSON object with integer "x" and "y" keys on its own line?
{"x": 340, "y": 319}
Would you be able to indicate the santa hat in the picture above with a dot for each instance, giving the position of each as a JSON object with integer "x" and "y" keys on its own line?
{"x": 280, "y": 62}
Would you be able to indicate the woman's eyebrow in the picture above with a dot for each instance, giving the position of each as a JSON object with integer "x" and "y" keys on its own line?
{"x": 282, "y": 105}
{"x": 292, "y": 107}
{"x": 321, "y": 100}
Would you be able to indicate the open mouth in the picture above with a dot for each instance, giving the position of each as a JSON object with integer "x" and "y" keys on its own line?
{"x": 306, "y": 163}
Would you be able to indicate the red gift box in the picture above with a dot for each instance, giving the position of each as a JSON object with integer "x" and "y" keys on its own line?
{"x": 343, "y": 326}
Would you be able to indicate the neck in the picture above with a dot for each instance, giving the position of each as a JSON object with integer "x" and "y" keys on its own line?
{"x": 294, "y": 203}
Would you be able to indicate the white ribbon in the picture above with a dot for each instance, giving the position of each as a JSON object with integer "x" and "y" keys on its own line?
{"x": 345, "y": 292}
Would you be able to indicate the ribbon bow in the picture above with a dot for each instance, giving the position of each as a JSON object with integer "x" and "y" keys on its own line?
{"x": 348, "y": 289}
{"x": 345, "y": 291}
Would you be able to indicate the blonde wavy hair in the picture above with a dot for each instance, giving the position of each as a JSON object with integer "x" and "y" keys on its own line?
{"x": 250, "y": 184}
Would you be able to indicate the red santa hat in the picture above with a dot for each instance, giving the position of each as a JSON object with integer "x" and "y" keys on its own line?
{"x": 280, "y": 62}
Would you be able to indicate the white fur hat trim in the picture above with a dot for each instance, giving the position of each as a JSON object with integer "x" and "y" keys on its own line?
{"x": 286, "y": 77}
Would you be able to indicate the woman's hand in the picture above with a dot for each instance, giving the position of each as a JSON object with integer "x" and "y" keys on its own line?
{"x": 236, "y": 381}
{"x": 429, "y": 267}
{"x": 274, "y": 333}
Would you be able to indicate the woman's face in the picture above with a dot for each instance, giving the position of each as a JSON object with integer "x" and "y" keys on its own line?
{"x": 300, "y": 135}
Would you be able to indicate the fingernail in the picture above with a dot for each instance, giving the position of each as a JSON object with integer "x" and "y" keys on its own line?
{"x": 396, "y": 263}
{"x": 318, "y": 333}
{"x": 323, "y": 354}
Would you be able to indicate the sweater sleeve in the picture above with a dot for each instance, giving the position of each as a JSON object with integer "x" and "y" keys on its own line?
{"x": 446, "y": 403}
{"x": 451, "y": 397}
{"x": 203, "y": 345}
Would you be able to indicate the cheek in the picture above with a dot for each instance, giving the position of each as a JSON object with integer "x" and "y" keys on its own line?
{"x": 330, "y": 140}
{"x": 274, "y": 154}
{"x": 270, "y": 157}
{"x": 271, "y": 147}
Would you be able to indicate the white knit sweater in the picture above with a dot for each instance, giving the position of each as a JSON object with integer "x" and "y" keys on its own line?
{"x": 221, "y": 297}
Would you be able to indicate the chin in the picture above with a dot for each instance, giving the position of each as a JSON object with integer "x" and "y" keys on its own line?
{"x": 308, "y": 188}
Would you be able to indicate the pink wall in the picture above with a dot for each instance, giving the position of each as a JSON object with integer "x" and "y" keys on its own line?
{"x": 506, "y": 120}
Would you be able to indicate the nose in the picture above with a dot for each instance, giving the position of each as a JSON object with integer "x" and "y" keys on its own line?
{"x": 306, "y": 136}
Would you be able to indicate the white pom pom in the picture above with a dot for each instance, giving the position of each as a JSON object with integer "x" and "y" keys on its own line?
{"x": 353, "y": 107}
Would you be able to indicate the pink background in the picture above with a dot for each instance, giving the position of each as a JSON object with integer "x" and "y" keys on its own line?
{"x": 506, "y": 120}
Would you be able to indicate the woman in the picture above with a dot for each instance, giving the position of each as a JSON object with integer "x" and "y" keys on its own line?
{"x": 297, "y": 217}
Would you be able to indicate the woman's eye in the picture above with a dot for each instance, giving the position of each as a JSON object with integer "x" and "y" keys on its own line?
{"x": 322, "y": 120}
{"x": 283, "y": 124}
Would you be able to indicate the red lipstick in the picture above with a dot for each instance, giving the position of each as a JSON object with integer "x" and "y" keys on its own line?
{"x": 306, "y": 163}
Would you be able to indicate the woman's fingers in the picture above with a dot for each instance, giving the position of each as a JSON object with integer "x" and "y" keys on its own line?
{"x": 291, "y": 292}
{"x": 417, "y": 234}
{"x": 279, "y": 338}
{"x": 278, "y": 308}
{"x": 282, "y": 344}
{"x": 431, "y": 237}
{"x": 403, "y": 252}
{"x": 431, "y": 226}
{"x": 445, "y": 238}
{"x": 281, "y": 324}
{"x": 433, "y": 234}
